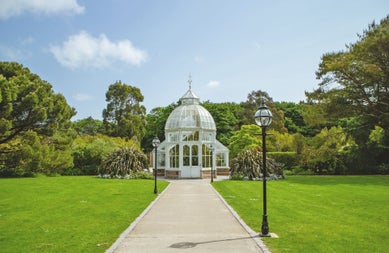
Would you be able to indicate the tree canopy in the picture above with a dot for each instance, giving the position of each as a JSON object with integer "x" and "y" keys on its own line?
{"x": 353, "y": 92}
{"x": 124, "y": 115}
{"x": 156, "y": 121}
{"x": 251, "y": 106}
{"x": 34, "y": 124}
{"x": 355, "y": 82}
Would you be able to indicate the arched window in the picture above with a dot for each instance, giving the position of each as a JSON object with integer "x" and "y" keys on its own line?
{"x": 174, "y": 154}
{"x": 221, "y": 160}
{"x": 195, "y": 155}
{"x": 186, "y": 155}
{"x": 206, "y": 156}
{"x": 190, "y": 135}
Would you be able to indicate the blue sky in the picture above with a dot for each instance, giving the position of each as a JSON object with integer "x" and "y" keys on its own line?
{"x": 230, "y": 47}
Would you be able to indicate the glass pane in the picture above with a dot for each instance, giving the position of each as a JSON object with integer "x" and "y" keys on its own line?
{"x": 196, "y": 136}
{"x": 174, "y": 156}
{"x": 220, "y": 160}
{"x": 186, "y": 155}
{"x": 195, "y": 155}
{"x": 206, "y": 156}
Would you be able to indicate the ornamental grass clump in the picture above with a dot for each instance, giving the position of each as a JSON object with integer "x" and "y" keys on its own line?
{"x": 248, "y": 165}
{"x": 125, "y": 162}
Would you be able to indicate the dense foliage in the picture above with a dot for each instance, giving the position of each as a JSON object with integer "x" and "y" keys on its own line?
{"x": 226, "y": 116}
{"x": 35, "y": 133}
{"x": 155, "y": 126}
{"x": 88, "y": 126}
{"x": 354, "y": 94}
{"x": 90, "y": 150}
{"x": 124, "y": 115}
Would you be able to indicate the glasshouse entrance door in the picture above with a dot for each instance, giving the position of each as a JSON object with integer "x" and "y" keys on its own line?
{"x": 190, "y": 161}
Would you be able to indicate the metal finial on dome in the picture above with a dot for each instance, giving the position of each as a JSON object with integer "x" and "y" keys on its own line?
{"x": 190, "y": 81}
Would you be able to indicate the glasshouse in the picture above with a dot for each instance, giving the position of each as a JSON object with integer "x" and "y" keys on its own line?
{"x": 190, "y": 149}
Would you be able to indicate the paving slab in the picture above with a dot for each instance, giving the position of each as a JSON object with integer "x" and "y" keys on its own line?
{"x": 188, "y": 216}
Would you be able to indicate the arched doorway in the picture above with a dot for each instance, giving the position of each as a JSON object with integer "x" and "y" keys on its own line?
{"x": 191, "y": 167}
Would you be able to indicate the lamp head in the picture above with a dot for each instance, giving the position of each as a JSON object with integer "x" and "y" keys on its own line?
{"x": 156, "y": 142}
{"x": 263, "y": 117}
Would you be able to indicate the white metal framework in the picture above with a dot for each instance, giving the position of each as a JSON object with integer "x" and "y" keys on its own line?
{"x": 190, "y": 132}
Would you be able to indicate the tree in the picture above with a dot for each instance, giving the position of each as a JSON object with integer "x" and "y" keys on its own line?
{"x": 251, "y": 106}
{"x": 281, "y": 142}
{"x": 88, "y": 126}
{"x": 225, "y": 117}
{"x": 354, "y": 89}
{"x": 124, "y": 115}
{"x": 28, "y": 103}
{"x": 155, "y": 126}
{"x": 328, "y": 152}
{"x": 355, "y": 82}
{"x": 35, "y": 132}
{"x": 294, "y": 117}
{"x": 246, "y": 138}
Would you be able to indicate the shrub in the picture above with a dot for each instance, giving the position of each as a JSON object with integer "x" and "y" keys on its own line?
{"x": 383, "y": 169}
{"x": 248, "y": 163}
{"x": 328, "y": 152}
{"x": 89, "y": 151}
{"x": 123, "y": 162}
{"x": 142, "y": 175}
{"x": 288, "y": 159}
{"x": 237, "y": 177}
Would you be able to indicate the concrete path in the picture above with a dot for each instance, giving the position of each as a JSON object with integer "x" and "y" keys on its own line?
{"x": 189, "y": 216}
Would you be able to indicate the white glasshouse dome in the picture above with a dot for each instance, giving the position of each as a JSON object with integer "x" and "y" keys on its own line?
{"x": 190, "y": 114}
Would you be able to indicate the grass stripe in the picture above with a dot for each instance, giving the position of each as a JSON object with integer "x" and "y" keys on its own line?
{"x": 69, "y": 214}
{"x": 317, "y": 214}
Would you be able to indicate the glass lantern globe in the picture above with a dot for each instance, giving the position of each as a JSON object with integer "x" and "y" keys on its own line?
{"x": 156, "y": 142}
{"x": 263, "y": 117}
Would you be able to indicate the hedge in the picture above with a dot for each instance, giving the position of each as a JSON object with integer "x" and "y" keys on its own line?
{"x": 288, "y": 159}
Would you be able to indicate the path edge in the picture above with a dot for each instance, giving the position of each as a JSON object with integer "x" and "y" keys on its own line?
{"x": 124, "y": 234}
{"x": 252, "y": 233}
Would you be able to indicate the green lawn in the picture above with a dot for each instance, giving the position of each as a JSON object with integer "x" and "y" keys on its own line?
{"x": 69, "y": 214}
{"x": 317, "y": 214}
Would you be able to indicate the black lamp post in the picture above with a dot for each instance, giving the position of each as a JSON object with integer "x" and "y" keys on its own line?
{"x": 263, "y": 118}
{"x": 155, "y": 143}
{"x": 212, "y": 153}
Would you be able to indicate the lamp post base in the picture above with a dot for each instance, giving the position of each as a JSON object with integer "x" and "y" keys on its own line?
{"x": 155, "y": 185}
{"x": 265, "y": 227}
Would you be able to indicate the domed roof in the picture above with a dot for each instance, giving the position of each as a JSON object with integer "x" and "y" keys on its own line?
{"x": 190, "y": 115}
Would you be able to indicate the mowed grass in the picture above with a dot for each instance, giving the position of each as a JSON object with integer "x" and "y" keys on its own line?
{"x": 317, "y": 214}
{"x": 69, "y": 214}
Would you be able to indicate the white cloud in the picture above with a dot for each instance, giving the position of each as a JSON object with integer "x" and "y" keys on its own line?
{"x": 11, "y": 8}
{"x": 84, "y": 50}
{"x": 213, "y": 84}
{"x": 82, "y": 97}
